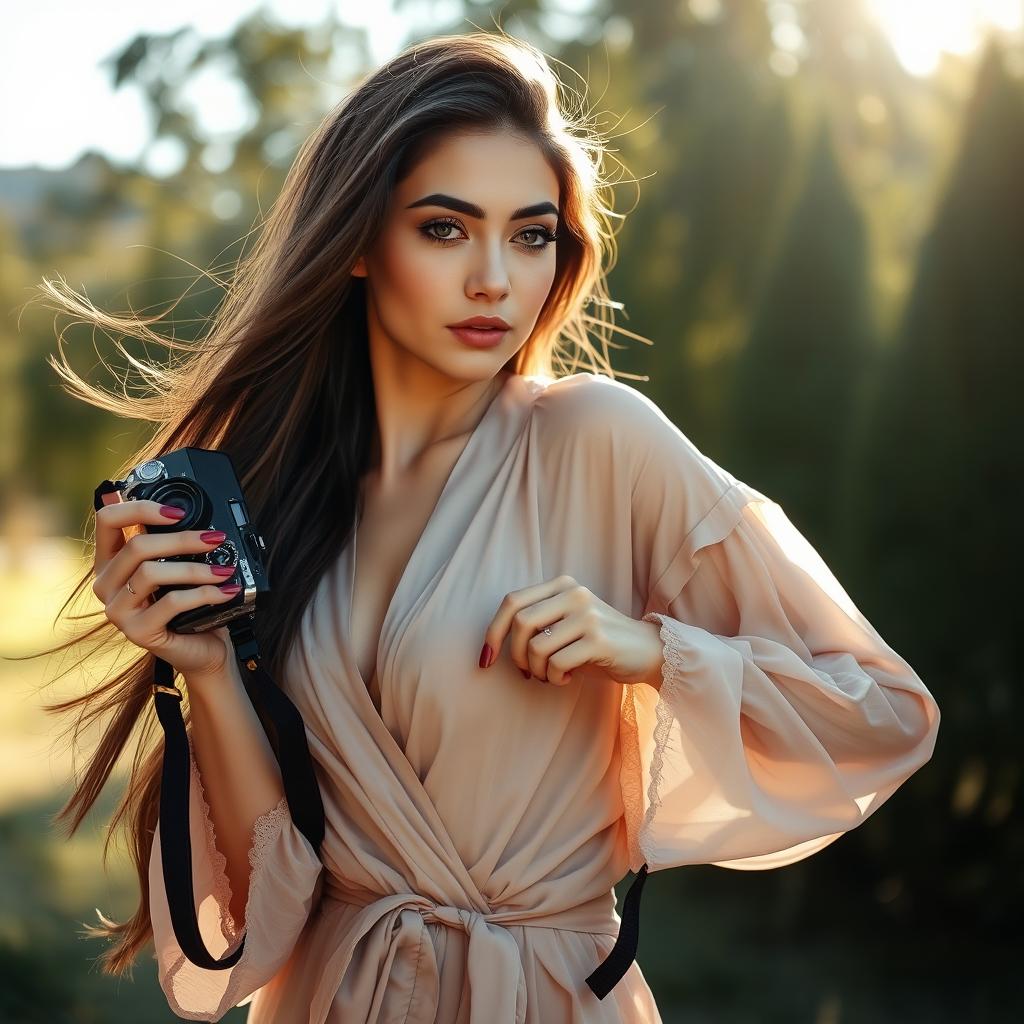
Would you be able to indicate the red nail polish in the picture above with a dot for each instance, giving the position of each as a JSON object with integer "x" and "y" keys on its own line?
{"x": 485, "y": 656}
{"x": 222, "y": 570}
{"x": 172, "y": 512}
{"x": 213, "y": 537}
{"x": 230, "y": 588}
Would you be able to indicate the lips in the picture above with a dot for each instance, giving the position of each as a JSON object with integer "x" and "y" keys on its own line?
{"x": 479, "y": 337}
{"x": 483, "y": 322}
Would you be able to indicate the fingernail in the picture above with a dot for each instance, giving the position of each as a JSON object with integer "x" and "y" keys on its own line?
{"x": 222, "y": 570}
{"x": 526, "y": 675}
{"x": 213, "y": 537}
{"x": 485, "y": 656}
{"x": 172, "y": 512}
{"x": 230, "y": 588}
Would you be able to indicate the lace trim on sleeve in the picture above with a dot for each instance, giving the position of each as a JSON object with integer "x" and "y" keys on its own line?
{"x": 265, "y": 830}
{"x": 666, "y": 710}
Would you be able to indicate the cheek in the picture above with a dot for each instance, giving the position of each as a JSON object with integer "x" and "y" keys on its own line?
{"x": 411, "y": 274}
{"x": 535, "y": 282}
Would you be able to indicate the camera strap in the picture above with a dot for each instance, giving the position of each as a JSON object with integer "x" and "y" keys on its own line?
{"x": 285, "y": 730}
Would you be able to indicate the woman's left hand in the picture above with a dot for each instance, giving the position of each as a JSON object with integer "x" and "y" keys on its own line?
{"x": 584, "y": 631}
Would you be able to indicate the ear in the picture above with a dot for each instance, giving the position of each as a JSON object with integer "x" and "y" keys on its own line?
{"x": 359, "y": 268}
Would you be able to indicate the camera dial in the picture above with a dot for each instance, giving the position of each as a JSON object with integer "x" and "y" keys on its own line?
{"x": 151, "y": 470}
{"x": 145, "y": 473}
{"x": 226, "y": 554}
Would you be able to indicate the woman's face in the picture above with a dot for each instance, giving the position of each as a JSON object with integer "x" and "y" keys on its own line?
{"x": 466, "y": 235}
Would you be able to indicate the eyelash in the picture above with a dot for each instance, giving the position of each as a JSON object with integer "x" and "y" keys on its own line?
{"x": 548, "y": 236}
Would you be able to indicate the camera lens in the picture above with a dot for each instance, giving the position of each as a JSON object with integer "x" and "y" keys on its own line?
{"x": 186, "y": 495}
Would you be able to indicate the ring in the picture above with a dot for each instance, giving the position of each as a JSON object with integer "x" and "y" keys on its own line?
{"x": 129, "y": 586}
{"x": 547, "y": 629}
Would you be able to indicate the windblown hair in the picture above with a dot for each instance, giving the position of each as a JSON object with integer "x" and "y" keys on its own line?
{"x": 281, "y": 378}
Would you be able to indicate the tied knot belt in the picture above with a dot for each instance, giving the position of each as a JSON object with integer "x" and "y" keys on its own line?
{"x": 398, "y": 959}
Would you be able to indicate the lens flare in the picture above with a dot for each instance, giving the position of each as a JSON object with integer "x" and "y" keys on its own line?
{"x": 921, "y": 31}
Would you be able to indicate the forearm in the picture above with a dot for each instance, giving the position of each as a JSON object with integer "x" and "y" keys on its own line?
{"x": 239, "y": 772}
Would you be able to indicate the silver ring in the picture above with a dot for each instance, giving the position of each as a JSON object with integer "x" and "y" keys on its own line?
{"x": 547, "y": 629}
{"x": 129, "y": 586}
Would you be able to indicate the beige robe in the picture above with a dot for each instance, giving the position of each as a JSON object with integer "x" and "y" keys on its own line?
{"x": 477, "y": 824}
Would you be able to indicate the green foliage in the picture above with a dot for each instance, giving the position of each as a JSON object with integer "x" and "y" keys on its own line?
{"x": 798, "y": 387}
{"x": 946, "y": 450}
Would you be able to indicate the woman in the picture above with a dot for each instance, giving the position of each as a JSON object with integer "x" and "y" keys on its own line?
{"x": 537, "y": 638}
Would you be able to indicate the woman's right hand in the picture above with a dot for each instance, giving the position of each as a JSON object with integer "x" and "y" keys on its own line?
{"x": 138, "y": 616}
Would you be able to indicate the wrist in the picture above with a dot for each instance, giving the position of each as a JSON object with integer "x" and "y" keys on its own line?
{"x": 212, "y": 683}
{"x": 653, "y": 676}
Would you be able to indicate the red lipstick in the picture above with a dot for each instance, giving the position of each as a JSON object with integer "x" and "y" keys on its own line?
{"x": 481, "y": 331}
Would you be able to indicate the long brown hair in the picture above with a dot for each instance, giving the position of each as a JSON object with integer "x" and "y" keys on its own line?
{"x": 281, "y": 379}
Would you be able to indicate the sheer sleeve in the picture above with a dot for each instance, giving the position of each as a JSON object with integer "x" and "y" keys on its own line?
{"x": 783, "y": 719}
{"x": 284, "y": 869}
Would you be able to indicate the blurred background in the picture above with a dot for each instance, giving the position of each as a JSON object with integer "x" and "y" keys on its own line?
{"x": 826, "y": 248}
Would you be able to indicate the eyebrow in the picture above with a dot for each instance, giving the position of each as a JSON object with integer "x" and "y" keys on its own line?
{"x": 472, "y": 210}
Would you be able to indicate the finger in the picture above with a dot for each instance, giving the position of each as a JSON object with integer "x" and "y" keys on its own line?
{"x": 150, "y": 575}
{"x": 544, "y": 650}
{"x": 124, "y": 603}
{"x": 568, "y": 658}
{"x": 147, "y": 546}
{"x": 148, "y": 628}
{"x": 116, "y": 515}
{"x": 528, "y": 647}
{"x": 512, "y": 603}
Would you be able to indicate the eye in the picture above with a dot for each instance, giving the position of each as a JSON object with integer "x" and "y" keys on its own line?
{"x": 546, "y": 236}
{"x": 444, "y": 223}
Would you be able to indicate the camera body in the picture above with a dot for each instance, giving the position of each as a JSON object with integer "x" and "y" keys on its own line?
{"x": 203, "y": 482}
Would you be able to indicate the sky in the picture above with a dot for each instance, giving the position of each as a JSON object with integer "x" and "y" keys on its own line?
{"x": 56, "y": 100}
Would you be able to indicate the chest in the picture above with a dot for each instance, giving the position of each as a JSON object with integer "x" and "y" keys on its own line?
{"x": 390, "y": 527}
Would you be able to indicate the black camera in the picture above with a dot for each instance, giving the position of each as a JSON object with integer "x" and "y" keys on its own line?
{"x": 205, "y": 485}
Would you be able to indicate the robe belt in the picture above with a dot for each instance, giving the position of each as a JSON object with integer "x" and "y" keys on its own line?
{"x": 493, "y": 961}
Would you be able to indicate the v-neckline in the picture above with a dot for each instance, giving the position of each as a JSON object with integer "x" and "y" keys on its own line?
{"x": 410, "y": 563}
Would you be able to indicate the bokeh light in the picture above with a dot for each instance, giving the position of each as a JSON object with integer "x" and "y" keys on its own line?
{"x": 921, "y": 31}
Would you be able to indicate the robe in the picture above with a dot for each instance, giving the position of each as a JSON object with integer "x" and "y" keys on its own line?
{"x": 477, "y": 822}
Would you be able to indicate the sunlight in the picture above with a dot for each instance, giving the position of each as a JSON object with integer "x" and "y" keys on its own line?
{"x": 921, "y": 31}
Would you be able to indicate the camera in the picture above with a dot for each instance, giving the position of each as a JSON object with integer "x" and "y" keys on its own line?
{"x": 204, "y": 484}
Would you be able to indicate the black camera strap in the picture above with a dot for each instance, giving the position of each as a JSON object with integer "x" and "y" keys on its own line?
{"x": 285, "y": 730}
{"x": 611, "y": 969}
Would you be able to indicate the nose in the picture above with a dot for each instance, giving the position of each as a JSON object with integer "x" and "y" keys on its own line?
{"x": 490, "y": 278}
